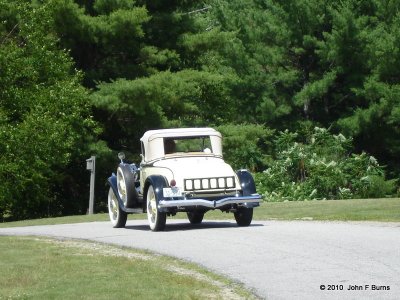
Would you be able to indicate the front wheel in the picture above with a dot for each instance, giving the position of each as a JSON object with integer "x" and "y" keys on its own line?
{"x": 156, "y": 218}
{"x": 244, "y": 216}
{"x": 117, "y": 215}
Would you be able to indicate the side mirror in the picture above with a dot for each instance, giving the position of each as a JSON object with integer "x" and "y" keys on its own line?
{"x": 121, "y": 156}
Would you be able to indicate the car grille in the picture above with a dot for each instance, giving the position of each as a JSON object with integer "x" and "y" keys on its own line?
{"x": 209, "y": 183}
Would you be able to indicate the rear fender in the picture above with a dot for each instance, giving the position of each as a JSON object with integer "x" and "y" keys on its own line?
{"x": 158, "y": 182}
{"x": 246, "y": 182}
{"x": 248, "y": 186}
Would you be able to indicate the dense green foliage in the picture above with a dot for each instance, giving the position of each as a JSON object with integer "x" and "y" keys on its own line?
{"x": 320, "y": 166}
{"x": 247, "y": 146}
{"x": 44, "y": 117}
{"x": 251, "y": 68}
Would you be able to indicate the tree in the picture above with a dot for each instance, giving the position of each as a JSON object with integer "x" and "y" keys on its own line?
{"x": 166, "y": 99}
{"x": 333, "y": 64}
{"x": 247, "y": 146}
{"x": 45, "y": 121}
{"x": 107, "y": 43}
{"x": 375, "y": 124}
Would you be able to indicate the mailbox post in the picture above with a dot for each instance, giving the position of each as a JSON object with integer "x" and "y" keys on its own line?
{"x": 91, "y": 166}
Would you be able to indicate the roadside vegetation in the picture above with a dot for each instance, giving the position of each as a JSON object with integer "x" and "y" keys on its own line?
{"x": 82, "y": 78}
{"x": 320, "y": 165}
{"x": 43, "y": 268}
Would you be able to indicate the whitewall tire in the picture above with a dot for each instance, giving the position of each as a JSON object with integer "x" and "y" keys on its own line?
{"x": 117, "y": 215}
{"x": 156, "y": 218}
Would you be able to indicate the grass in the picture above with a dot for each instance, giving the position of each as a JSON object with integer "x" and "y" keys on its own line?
{"x": 384, "y": 210}
{"x": 66, "y": 220}
{"x": 43, "y": 268}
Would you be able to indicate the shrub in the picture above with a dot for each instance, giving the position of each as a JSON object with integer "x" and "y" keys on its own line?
{"x": 321, "y": 167}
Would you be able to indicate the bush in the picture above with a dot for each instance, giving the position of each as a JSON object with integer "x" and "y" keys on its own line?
{"x": 321, "y": 167}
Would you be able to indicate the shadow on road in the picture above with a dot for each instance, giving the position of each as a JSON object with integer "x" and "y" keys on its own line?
{"x": 187, "y": 226}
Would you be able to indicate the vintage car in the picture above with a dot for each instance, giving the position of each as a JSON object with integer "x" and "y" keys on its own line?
{"x": 182, "y": 170}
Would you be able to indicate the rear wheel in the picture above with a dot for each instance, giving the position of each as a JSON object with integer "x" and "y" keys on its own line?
{"x": 117, "y": 215}
{"x": 195, "y": 217}
{"x": 244, "y": 216}
{"x": 156, "y": 218}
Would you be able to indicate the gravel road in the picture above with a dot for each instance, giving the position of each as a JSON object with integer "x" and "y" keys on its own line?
{"x": 276, "y": 259}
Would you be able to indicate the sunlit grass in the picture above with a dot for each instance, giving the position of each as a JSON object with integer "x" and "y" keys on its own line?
{"x": 384, "y": 210}
{"x": 43, "y": 268}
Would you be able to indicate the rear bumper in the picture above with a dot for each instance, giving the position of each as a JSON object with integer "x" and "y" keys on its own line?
{"x": 246, "y": 201}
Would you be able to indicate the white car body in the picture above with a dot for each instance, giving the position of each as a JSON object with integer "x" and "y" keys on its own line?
{"x": 195, "y": 166}
{"x": 182, "y": 169}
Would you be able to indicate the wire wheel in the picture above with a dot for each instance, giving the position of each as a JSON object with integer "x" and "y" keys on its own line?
{"x": 117, "y": 216}
{"x": 156, "y": 218}
{"x": 121, "y": 183}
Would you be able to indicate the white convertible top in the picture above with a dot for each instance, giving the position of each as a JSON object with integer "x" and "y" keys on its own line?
{"x": 178, "y": 132}
{"x": 154, "y": 145}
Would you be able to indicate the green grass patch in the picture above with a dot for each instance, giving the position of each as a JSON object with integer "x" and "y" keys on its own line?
{"x": 384, "y": 210}
{"x": 43, "y": 268}
{"x": 66, "y": 220}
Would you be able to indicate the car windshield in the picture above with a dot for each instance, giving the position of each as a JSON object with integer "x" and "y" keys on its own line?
{"x": 188, "y": 145}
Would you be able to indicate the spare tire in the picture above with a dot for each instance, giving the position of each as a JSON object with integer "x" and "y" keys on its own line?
{"x": 126, "y": 186}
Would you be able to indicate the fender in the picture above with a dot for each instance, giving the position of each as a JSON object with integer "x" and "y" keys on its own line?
{"x": 112, "y": 182}
{"x": 158, "y": 182}
{"x": 246, "y": 182}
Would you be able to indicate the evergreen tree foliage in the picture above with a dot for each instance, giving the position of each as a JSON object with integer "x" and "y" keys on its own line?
{"x": 331, "y": 63}
{"x": 186, "y": 98}
{"x": 108, "y": 42}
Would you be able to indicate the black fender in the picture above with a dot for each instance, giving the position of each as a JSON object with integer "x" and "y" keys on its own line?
{"x": 158, "y": 182}
{"x": 246, "y": 182}
{"x": 112, "y": 182}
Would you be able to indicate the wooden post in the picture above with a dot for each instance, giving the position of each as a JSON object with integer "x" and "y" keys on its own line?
{"x": 91, "y": 166}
